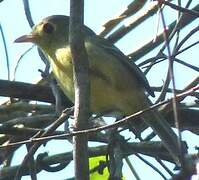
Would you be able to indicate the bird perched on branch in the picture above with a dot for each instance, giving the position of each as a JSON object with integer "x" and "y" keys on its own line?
{"x": 116, "y": 84}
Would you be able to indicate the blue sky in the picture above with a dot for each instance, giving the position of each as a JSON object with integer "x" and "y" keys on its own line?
{"x": 14, "y": 24}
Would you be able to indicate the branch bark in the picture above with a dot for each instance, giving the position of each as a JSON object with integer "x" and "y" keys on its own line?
{"x": 29, "y": 91}
{"x": 82, "y": 88}
{"x": 150, "y": 45}
{"x": 152, "y": 149}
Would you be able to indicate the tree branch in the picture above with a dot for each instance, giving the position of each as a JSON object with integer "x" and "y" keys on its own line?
{"x": 30, "y": 91}
{"x": 81, "y": 86}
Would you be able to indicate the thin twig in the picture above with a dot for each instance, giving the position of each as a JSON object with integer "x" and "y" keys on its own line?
{"x": 181, "y": 9}
{"x": 160, "y": 58}
{"x": 148, "y": 46}
{"x": 196, "y": 29}
{"x": 152, "y": 166}
{"x": 165, "y": 86}
{"x": 187, "y": 64}
{"x": 178, "y": 30}
{"x": 34, "y": 148}
{"x": 171, "y": 75}
{"x": 6, "y": 51}
{"x": 19, "y": 60}
{"x": 149, "y": 137}
{"x": 186, "y": 48}
{"x": 172, "y": 30}
{"x": 31, "y": 165}
{"x": 132, "y": 168}
{"x": 164, "y": 166}
{"x": 193, "y": 83}
{"x": 114, "y": 125}
{"x": 28, "y": 13}
{"x": 169, "y": 90}
{"x": 177, "y": 26}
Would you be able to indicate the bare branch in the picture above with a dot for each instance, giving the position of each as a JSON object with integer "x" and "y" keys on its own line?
{"x": 132, "y": 8}
{"x": 30, "y": 91}
{"x": 114, "y": 125}
{"x": 6, "y": 51}
{"x": 148, "y": 46}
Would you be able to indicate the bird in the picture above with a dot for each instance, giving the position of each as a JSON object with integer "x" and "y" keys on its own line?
{"x": 116, "y": 84}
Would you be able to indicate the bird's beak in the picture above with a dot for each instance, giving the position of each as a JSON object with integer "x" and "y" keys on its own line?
{"x": 26, "y": 38}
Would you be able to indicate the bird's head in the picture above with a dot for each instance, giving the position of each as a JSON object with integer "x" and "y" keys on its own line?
{"x": 51, "y": 33}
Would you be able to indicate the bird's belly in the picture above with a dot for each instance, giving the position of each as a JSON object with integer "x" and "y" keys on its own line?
{"x": 103, "y": 98}
{"x": 110, "y": 90}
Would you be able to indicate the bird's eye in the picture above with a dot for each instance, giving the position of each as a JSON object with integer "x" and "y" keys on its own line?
{"x": 48, "y": 28}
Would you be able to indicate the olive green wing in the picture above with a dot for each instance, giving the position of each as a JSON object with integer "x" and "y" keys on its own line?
{"x": 131, "y": 66}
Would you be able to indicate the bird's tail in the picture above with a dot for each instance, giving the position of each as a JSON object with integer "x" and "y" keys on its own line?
{"x": 161, "y": 127}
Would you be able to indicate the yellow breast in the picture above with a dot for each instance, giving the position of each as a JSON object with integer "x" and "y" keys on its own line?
{"x": 63, "y": 70}
{"x": 112, "y": 86}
